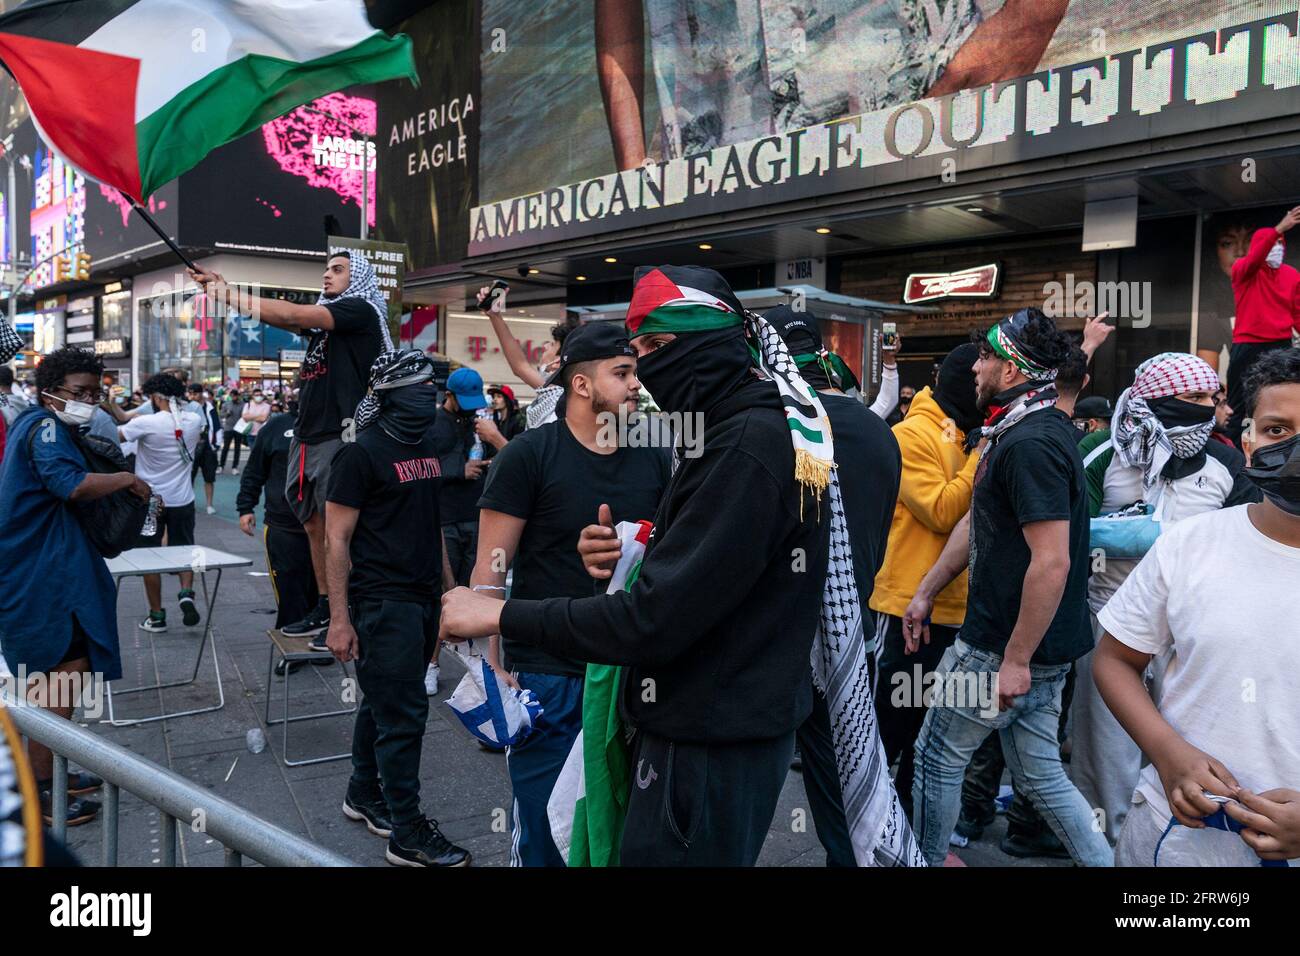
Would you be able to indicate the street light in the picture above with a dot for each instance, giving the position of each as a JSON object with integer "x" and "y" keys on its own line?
{"x": 365, "y": 164}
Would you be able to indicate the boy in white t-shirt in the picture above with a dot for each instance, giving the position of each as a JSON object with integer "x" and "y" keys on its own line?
{"x": 165, "y": 445}
{"x": 1218, "y": 590}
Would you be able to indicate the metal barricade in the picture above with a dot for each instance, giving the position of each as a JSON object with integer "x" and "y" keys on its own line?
{"x": 178, "y": 800}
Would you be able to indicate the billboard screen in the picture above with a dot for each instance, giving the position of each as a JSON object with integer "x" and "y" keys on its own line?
{"x": 308, "y": 164}
{"x": 603, "y": 114}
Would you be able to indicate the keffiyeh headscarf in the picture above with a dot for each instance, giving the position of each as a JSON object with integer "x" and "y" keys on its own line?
{"x": 391, "y": 371}
{"x": 1007, "y": 341}
{"x": 689, "y": 299}
{"x": 1140, "y": 439}
{"x": 363, "y": 284}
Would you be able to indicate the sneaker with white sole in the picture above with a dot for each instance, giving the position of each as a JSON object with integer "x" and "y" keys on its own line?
{"x": 374, "y": 813}
{"x": 154, "y": 623}
{"x": 211, "y": 510}
{"x": 425, "y": 847}
{"x": 431, "y": 675}
{"x": 316, "y": 622}
{"x": 189, "y": 610}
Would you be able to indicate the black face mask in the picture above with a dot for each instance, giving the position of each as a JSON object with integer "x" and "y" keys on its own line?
{"x": 1275, "y": 470}
{"x": 408, "y": 412}
{"x": 1176, "y": 413}
{"x": 696, "y": 370}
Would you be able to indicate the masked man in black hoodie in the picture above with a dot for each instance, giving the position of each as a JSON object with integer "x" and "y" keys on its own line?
{"x": 747, "y": 580}
{"x": 384, "y": 563}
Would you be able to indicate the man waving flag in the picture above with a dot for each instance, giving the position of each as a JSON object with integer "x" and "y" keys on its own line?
{"x": 135, "y": 92}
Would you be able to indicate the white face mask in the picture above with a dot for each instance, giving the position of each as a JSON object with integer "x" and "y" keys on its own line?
{"x": 74, "y": 413}
{"x": 1275, "y": 255}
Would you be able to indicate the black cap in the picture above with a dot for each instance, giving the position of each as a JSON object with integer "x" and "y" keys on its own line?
{"x": 1094, "y": 406}
{"x": 798, "y": 329}
{"x": 595, "y": 340}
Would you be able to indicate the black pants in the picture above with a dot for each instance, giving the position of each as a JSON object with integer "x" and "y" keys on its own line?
{"x": 462, "y": 548}
{"x": 232, "y": 438}
{"x": 897, "y": 697}
{"x": 821, "y": 781}
{"x": 396, "y": 640}
{"x": 1241, "y": 358}
{"x": 702, "y": 804}
{"x": 288, "y": 556}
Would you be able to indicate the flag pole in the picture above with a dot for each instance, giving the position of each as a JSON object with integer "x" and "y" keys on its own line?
{"x": 144, "y": 214}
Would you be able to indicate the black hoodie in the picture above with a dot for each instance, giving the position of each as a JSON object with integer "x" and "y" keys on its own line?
{"x": 719, "y": 626}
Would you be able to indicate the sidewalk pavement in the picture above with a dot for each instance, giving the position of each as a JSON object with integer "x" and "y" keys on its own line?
{"x": 465, "y": 788}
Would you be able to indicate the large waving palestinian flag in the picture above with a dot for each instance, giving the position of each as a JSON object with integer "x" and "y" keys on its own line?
{"x": 135, "y": 92}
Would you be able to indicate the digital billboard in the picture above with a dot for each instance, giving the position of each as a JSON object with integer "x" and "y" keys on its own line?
{"x": 602, "y": 114}
{"x": 310, "y": 163}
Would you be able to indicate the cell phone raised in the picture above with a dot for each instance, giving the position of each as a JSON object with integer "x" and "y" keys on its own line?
{"x": 889, "y": 335}
{"x": 499, "y": 288}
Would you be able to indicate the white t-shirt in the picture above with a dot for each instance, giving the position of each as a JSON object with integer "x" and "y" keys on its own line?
{"x": 1222, "y": 596}
{"x": 158, "y": 460}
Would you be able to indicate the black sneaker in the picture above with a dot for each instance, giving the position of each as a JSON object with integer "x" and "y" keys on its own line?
{"x": 81, "y": 782}
{"x": 311, "y": 625}
{"x": 796, "y": 762}
{"x": 1042, "y": 844}
{"x": 80, "y": 810}
{"x": 426, "y": 847}
{"x": 318, "y": 645}
{"x": 373, "y": 812}
{"x": 189, "y": 610}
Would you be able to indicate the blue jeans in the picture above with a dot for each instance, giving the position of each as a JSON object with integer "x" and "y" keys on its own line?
{"x": 535, "y": 765}
{"x": 957, "y": 724}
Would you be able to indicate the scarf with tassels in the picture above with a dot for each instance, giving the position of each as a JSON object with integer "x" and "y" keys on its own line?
{"x": 877, "y": 826}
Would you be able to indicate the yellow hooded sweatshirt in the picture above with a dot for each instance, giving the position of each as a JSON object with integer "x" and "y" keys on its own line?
{"x": 934, "y": 493}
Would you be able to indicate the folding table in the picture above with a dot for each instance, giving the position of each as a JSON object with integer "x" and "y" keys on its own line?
{"x": 184, "y": 557}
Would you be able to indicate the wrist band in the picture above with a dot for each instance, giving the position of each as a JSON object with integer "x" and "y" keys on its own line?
{"x": 488, "y": 587}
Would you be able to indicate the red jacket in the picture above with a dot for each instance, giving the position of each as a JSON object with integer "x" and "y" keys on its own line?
{"x": 1266, "y": 297}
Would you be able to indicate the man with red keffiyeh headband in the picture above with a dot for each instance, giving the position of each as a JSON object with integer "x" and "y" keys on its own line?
{"x": 1025, "y": 539}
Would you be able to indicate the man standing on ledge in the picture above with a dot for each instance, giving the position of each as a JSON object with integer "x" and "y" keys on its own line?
{"x": 347, "y": 329}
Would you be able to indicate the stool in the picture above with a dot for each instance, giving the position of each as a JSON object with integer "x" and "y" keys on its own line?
{"x": 291, "y": 649}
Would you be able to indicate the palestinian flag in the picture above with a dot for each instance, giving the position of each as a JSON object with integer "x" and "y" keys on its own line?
{"x": 135, "y": 92}
{"x": 681, "y": 299}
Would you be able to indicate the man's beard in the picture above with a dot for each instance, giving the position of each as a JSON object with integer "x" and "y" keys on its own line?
{"x": 600, "y": 405}
{"x": 983, "y": 396}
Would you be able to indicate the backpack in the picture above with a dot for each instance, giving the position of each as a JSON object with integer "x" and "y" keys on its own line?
{"x": 112, "y": 523}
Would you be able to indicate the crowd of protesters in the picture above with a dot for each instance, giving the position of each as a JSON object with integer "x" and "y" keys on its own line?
{"x": 904, "y": 599}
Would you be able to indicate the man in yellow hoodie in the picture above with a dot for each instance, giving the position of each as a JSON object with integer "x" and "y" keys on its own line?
{"x": 935, "y": 492}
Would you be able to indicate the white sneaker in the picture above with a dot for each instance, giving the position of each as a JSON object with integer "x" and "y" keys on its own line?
{"x": 234, "y": 471}
{"x": 431, "y": 680}
{"x": 211, "y": 510}
{"x": 221, "y": 471}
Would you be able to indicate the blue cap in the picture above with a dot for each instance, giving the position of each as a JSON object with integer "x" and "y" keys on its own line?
{"x": 467, "y": 385}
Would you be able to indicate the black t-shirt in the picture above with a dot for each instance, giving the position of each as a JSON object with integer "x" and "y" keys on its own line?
{"x": 547, "y": 477}
{"x": 336, "y": 370}
{"x": 1033, "y": 473}
{"x": 397, "y": 546}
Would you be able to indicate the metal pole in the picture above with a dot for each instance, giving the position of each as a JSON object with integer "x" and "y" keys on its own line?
{"x": 111, "y": 804}
{"x": 12, "y": 223}
{"x": 365, "y": 185}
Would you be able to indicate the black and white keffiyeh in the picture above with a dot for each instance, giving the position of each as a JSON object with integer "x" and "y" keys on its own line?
{"x": 879, "y": 830}
{"x": 392, "y": 369}
{"x": 362, "y": 284}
